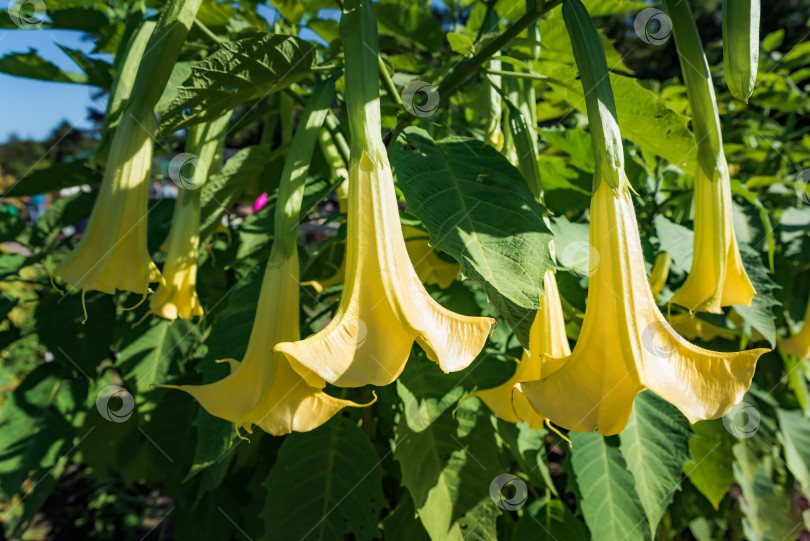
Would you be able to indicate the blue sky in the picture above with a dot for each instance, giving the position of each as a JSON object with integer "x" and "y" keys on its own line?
{"x": 31, "y": 108}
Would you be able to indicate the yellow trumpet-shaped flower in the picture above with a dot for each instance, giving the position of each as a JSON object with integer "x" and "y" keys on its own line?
{"x": 717, "y": 277}
{"x": 548, "y": 347}
{"x": 263, "y": 390}
{"x": 112, "y": 253}
{"x": 692, "y": 327}
{"x": 430, "y": 268}
{"x": 799, "y": 343}
{"x": 178, "y": 297}
{"x": 384, "y": 307}
{"x": 626, "y": 345}
{"x": 659, "y": 273}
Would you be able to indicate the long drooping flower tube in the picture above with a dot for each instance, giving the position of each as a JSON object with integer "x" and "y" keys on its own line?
{"x": 548, "y": 343}
{"x": 177, "y": 296}
{"x": 625, "y": 344}
{"x": 112, "y": 254}
{"x": 799, "y": 343}
{"x": 717, "y": 277}
{"x": 548, "y": 348}
{"x": 263, "y": 389}
{"x": 384, "y": 306}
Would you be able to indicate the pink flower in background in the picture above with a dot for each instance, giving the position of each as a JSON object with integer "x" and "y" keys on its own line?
{"x": 260, "y": 202}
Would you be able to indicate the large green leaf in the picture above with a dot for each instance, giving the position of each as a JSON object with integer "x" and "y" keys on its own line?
{"x": 33, "y": 66}
{"x": 710, "y": 470}
{"x": 770, "y": 511}
{"x": 759, "y": 314}
{"x": 325, "y": 484}
{"x": 54, "y": 178}
{"x": 644, "y": 118}
{"x": 447, "y": 457}
{"x": 655, "y": 446}
{"x": 549, "y": 520}
{"x": 609, "y": 500}
{"x": 479, "y": 210}
{"x": 221, "y": 190}
{"x": 795, "y": 436}
{"x": 238, "y": 72}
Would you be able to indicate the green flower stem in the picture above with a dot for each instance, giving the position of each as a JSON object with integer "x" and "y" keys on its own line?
{"x": 358, "y": 30}
{"x": 699, "y": 87}
{"x": 296, "y": 167}
{"x": 471, "y": 65}
{"x": 589, "y": 54}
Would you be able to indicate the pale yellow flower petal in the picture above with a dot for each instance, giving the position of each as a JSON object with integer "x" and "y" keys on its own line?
{"x": 263, "y": 390}
{"x": 112, "y": 253}
{"x": 626, "y": 345}
{"x": 177, "y": 298}
{"x": 717, "y": 277}
{"x": 384, "y": 307}
{"x": 548, "y": 347}
{"x": 799, "y": 343}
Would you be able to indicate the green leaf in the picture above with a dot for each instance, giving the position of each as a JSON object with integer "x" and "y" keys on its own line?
{"x": 447, "y": 457}
{"x": 63, "y": 212}
{"x": 325, "y": 484}
{"x": 710, "y": 470}
{"x": 644, "y": 117}
{"x": 402, "y": 523}
{"x": 759, "y": 314}
{"x": 98, "y": 72}
{"x": 54, "y": 178}
{"x": 677, "y": 241}
{"x": 34, "y": 431}
{"x": 480, "y": 211}
{"x": 221, "y": 190}
{"x": 795, "y": 437}
{"x": 240, "y": 71}
{"x": 655, "y": 445}
{"x": 770, "y": 512}
{"x": 411, "y": 21}
{"x": 549, "y": 520}
{"x": 33, "y": 66}
{"x": 149, "y": 350}
{"x": 609, "y": 501}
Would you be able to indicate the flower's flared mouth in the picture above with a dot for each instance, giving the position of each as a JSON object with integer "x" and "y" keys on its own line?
{"x": 263, "y": 390}
{"x": 717, "y": 277}
{"x": 384, "y": 307}
{"x": 548, "y": 348}
{"x": 112, "y": 254}
{"x": 626, "y": 345}
{"x": 177, "y": 298}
